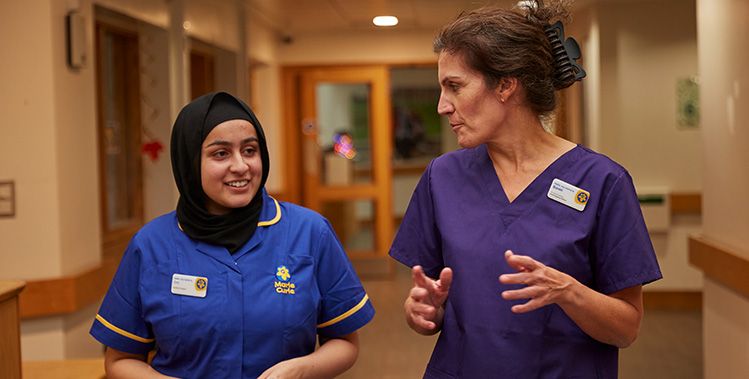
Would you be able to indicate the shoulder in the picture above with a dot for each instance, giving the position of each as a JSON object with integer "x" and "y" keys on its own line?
{"x": 594, "y": 160}
{"x": 154, "y": 242}
{"x": 157, "y": 228}
{"x": 461, "y": 158}
{"x": 298, "y": 217}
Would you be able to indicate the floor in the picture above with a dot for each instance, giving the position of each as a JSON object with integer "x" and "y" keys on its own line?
{"x": 669, "y": 345}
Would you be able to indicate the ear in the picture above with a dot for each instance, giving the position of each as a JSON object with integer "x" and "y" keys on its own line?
{"x": 506, "y": 88}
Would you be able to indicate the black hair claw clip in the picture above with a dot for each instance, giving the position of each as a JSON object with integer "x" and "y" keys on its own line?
{"x": 566, "y": 52}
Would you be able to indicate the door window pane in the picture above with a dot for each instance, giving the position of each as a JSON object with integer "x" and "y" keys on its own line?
{"x": 343, "y": 121}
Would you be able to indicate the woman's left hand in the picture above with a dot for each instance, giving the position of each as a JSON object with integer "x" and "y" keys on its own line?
{"x": 290, "y": 369}
{"x": 544, "y": 285}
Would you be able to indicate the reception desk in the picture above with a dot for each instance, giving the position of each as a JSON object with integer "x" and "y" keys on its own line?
{"x": 10, "y": 335}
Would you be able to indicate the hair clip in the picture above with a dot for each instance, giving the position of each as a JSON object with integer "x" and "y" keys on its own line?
{"x": 565, "y": 53}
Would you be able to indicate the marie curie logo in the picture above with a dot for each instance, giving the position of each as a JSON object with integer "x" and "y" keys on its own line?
{"x": 283, "y": 284}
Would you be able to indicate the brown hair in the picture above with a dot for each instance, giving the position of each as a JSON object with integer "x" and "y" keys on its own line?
{"x": 501, "y": 43}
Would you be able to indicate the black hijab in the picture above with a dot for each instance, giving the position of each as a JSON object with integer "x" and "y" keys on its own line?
{"x": 194, "y": 122}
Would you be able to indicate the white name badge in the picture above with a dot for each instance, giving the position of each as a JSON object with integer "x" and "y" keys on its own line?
{"x": 568, "y": 194}
{"x": 188, "y": 285}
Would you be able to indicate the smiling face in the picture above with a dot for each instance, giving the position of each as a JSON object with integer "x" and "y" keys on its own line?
{"x": 231, "y": 168}
{"x": 474, "y": 111}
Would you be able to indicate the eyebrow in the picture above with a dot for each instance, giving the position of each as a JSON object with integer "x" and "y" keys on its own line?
{"x": 449, "y": 78}
{"x": 221, "y": 142}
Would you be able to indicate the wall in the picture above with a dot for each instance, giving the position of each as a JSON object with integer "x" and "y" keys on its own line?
{"x": 634, "y": 53}
{"x": 28, "y": 149}
{"x": 723, "y": 58}
{"x": 265, "y": 98}
{"x": 382, "y": 46}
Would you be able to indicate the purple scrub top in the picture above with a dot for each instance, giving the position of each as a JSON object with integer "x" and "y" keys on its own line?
{"x": 460, "y": 217}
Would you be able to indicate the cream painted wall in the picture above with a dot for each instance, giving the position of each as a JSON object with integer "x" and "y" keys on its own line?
{"x": 76, "y": 152}
{"x": 30, "y": 242}
{"x": 723, "y": 58}
{"x": 645, "y": 49}
{"x": 262, "y": 46}
{"x": 376, "y": 46}
{"x": 155, "y": 12}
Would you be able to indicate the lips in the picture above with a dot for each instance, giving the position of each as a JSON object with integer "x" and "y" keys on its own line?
{"x": 238, "y": 183}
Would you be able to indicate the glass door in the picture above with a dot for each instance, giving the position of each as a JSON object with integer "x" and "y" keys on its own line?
{"x": 345, "y": 121}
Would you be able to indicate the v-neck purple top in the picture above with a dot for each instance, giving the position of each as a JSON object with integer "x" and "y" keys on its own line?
{"x": 460, "y": 217}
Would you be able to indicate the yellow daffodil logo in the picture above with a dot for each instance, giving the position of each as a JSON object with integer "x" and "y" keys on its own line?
{"x": 282, "y": 273}
{"x": 581, "y": 197}
{"x": 201, "y": 284}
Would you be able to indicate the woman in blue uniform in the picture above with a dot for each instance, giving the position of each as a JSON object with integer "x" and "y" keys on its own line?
{"x": 234, "y": 284}
{"x": 528, "y": 252}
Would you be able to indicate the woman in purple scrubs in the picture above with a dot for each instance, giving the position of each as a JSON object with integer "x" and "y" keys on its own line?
{"x": 529, "y": 252}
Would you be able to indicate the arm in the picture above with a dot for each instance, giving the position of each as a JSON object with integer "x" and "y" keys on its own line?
{"x": 424, "y": 305}
{"x": 121, "y": 365}
{"x": 334, "y": 357}
{"x": 613, "y": 319}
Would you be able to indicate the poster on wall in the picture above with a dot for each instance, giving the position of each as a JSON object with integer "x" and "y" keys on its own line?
{"x": 688, "y": 103}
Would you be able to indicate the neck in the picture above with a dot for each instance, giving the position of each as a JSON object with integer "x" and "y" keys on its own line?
{"x": 523, "y": 143}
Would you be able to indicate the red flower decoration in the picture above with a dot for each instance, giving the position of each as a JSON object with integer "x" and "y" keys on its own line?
{"x": 152, "y": 149}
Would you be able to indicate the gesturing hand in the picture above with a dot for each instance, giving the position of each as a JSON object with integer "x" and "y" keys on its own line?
{"x": 544, "y": 285}
{"x": 424, "y": 304}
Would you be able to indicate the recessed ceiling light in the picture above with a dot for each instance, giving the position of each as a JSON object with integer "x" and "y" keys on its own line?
{"x": 385, "y": 20}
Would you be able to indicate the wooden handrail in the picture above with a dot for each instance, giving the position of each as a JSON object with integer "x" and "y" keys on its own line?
{"x": 720, "y": 263}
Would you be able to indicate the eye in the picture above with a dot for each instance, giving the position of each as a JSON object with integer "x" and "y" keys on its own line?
{"x": 250, "y": 150}
{"x": 220, "y": 154}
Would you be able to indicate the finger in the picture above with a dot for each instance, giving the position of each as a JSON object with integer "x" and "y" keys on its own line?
{"x": 426, "y": 311}
{"x": 418, "y": 294}
{"x": 419, "y": 278}
{"x": 531, "y": 305}
{"x": 423, "y": 323}
{"x": 519, "y": 278}
{"x": 446, "y": 279}
{"x": 523, "y": 293}
{"x": 521, "y": 262}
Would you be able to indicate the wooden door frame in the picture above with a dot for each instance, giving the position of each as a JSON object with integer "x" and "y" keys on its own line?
{"x": 381, "y": 141}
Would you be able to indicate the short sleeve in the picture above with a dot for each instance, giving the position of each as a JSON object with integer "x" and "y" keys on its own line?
{"x": 418, "y": 241}
{"x": 623, "y": 253}
{"x": 345, "y": 305}
{"x": 119, "y": 323}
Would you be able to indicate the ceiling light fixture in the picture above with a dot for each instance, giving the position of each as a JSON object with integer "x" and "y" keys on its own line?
{"x": 385, "y": 20}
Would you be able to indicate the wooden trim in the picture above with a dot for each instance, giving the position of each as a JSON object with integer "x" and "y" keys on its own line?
{"x": 672, "y": 300}
{"x": 10, "y": 335}
{"x": 720, "y": 263}
{"x": 10, "y": 288}
{"x": 686, "y": 203}
{"x": 67, "y": 294}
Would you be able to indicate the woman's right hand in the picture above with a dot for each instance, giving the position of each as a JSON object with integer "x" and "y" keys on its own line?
{"x": 425, "y": 302}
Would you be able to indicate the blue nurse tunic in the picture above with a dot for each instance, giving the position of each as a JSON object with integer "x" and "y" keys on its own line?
{"x": 459, "y": 217}
{"x": 246, "y": 312}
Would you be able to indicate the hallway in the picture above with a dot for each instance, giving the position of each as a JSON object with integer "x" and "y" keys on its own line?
{"x": 669, "y": 345}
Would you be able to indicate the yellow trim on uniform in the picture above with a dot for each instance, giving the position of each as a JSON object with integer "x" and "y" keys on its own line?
{"x": 346, "y": 314}
{"x": 122, "y": 332}
{"x": 275, "y": 219}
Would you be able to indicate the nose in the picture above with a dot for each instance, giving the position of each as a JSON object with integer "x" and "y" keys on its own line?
{"x": 238, "y": 164}
{"x": 444, "y": 106}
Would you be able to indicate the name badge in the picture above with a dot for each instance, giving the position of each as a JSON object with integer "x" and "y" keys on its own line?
{"x": 568, "y": 194}
{"x": 188, "y": 285}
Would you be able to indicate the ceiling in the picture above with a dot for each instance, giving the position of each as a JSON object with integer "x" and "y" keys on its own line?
{"x": 292, "y": 17}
